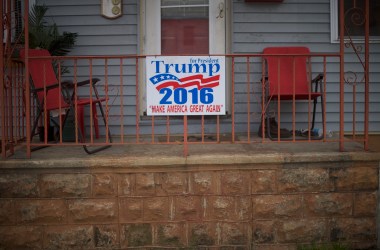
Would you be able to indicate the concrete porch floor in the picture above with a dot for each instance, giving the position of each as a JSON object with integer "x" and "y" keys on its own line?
{"x": 173, "y": 155}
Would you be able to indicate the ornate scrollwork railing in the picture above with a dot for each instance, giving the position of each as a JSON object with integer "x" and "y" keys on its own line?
{"x": 356, "y": 16}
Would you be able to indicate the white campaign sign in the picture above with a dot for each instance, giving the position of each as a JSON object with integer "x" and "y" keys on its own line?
{"x": 185, "y": 85}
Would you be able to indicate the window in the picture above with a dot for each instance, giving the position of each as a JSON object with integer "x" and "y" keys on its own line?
{"x": 354, "y": 20}
{"x": 184, "y": 27}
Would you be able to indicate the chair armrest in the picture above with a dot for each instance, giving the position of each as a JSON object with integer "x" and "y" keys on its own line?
{"x": 318, "y": 78}
{"x": 68, "y": 87}
{"x": 67, "y": 84}
{"x": 70, "y": 84}
{"x": 53, "y": 86}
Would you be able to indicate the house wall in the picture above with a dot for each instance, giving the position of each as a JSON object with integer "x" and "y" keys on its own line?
{"x": 254, "y": 27}
{"x": 307, "y": 23}
{"x": 232, "y": 206}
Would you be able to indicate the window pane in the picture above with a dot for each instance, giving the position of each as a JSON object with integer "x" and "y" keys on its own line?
{"x": 184, "y": 27}
{"x": 355, "y": 17}
{"x": 184, "y": 9}
{"x": 165, "y": 3}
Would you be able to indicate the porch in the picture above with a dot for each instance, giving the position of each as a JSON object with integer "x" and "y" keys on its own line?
{"x": 187, "y": 182}
{"x": 218, "y": 184}
{"x": 122, "y": 85}
{"x": 26, "y": 120}
{"x": 190, "y": 182}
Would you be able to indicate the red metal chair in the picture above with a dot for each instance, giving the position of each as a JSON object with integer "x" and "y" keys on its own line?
{"x": 49, "y": 97}
{"x": 288, "y": 78}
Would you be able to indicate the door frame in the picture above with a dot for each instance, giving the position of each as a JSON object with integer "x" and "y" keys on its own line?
{"x": 220, "y": 39}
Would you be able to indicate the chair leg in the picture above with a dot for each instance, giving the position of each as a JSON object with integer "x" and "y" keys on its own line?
{"x": 323, "y": 113}
{"x": 266, "y": 116}
{"x": 314, "y": 109}
{"x": 35, "y": 124}
{"x": 313, "y": 121}
{"x": 267, "y": 123}
{"x": 86, "y": 148}
{"x": 105, "y": 121}
{"x": 95, "y": 120}
{"x": 80, "y": 115}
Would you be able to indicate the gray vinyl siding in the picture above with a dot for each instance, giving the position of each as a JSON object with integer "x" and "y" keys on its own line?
{"x": 304, "y": 23}
{"x": 254, "y": 27}
{"x": 96, "y": 35}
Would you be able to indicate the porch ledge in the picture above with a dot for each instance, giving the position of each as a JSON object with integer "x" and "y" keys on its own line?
{"x": 133, "y": 157}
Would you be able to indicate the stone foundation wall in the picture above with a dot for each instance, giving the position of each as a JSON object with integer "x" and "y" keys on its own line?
{"x": 257, "y": 206}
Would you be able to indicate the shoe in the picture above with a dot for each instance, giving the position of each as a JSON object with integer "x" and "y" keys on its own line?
{"x": 284, "y": 133}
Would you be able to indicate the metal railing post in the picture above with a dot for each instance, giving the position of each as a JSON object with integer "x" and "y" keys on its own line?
{"x": 341, "y": 78}
{"x": 366, "y": 72}
{"x": 2, "y": 104}
{"x": 185, "y": 132}
{"x": 27, "y": 83}
{"x": 233, "y": 100}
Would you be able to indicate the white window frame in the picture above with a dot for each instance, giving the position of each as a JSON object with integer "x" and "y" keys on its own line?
{"x": 334, "y": 29}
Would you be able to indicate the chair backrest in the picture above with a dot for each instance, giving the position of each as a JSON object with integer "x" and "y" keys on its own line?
{"x": 287, "y": 74}
{"x": 43, "y": 75}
